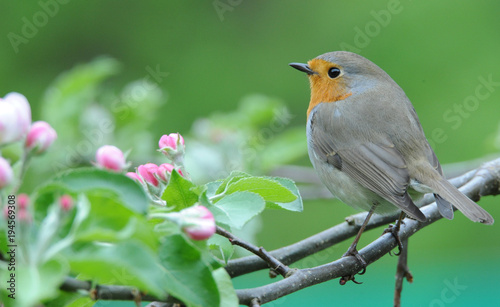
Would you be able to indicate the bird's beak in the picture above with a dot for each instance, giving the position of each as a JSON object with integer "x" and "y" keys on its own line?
{"x": 303, "y": 67}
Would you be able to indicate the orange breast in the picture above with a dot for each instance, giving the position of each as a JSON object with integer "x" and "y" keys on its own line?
{"x": 323, "y": 88}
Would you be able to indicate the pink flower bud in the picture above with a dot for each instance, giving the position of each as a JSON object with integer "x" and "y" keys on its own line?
{"x": 15, "y": 117}
{"x": 134, "y": 176}
{"x": 6, "y": 173}
{"x": 164, "y": 171}
{"x": 171, "y": 141}
{"x": 198, "y": 222}
{"x": 23, "y": 201}
{"x": 111, "y": 158}
{"x": 147, "y": 172}
{"x": 40, "y": 137}
{"x": 66, "y": 202}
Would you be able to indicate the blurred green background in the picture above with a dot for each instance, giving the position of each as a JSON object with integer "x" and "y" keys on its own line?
{"x": 218, "y": 52}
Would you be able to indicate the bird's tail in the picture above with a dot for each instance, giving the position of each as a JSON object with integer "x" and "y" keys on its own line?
{"x": 469, "y": 208}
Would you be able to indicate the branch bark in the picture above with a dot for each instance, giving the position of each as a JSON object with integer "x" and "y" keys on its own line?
{"x": 402, "y": 272}
{"x": 105, "y": 292}
{"x": 272, "y": 262}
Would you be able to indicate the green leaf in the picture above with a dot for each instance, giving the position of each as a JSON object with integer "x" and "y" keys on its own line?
{"x": 47, "y": 195}
{"x": 295, "y": 205}
{"x": 221, "y": 247}
{"x": 178, "y": 193}
{"x": 271, "y": 190}
{"x": 212, "y": 188}
{"x": 42, "y": 281}
{"x": 126, "y": 263}
{"x": 165, "y": 227}
{"x": 221, "y": 217}
{"x": 228, "y": 297}
{"x": 240, "y": 207}
{"x": 233, "y": 177}
{"x": 130, "y": 194}
{"x": 190, "y": 278}
{"x": 110, "y": 221}
{"x": 69, "y": 299}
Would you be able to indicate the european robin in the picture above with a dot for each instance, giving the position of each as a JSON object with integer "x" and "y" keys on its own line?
{"x": 366, "y": 143}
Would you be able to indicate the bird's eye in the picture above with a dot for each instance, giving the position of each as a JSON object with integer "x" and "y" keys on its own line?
{"x": 333, "y": 72}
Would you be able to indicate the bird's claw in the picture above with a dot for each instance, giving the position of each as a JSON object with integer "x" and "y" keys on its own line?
{"x": 345, "y": 279}
{"x": 352, "y": 251}
{"x": 394, "y": 231}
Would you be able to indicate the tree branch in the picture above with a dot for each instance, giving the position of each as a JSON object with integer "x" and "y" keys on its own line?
{"x": 272, "y": 262}
{"x": 486, "y": 176}
{"x": 483, "y": 181}
{"x": 480, "y": 182}
{"x": 105, "y": 292}
{"x": 402, "y": 272}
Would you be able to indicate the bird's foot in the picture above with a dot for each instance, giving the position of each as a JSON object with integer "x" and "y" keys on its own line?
{"x": 394, "y": 230}
{"x": 352, "y": 251}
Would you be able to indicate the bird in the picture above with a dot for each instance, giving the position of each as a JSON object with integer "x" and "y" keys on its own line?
{"x": 367, "y": 145}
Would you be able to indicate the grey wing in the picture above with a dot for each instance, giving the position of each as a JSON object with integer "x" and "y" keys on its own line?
{"x": 378, "y": 167}
{"x": 445, "y": 208}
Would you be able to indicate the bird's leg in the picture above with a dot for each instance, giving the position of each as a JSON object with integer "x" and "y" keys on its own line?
{"x": 353, "y": 251}
{"x": 394, "y": 230}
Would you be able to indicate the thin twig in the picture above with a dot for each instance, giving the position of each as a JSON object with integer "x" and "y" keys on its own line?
{"x": 402, "y": 272}
{"x": 105, "y": 292}
{"x": 273, "y": 263}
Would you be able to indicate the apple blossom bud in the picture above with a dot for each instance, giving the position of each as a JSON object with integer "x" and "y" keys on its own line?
{"x": 111, "y": 158}
{"x": 6, "y": 173}
{"x": 23, "y": 201}
{"x": 147, "y": 172}
{"x": 171, "y": 140}
{"x": 164, "y": 171}
{"x": 134, "y": 176}
{"x": 20, "y": 101}
{"x": 15, "y": 117}
{"x": 66, "y": 202}
{"x": 172, "y": 145}
{"x": 198, "y": 222}
{"x": 40, "y": 136}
